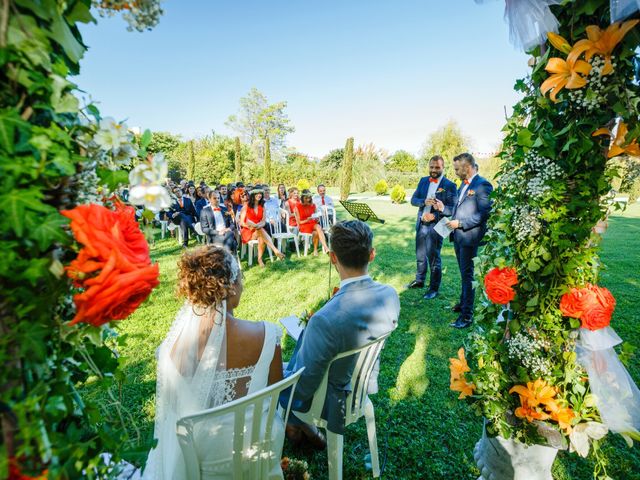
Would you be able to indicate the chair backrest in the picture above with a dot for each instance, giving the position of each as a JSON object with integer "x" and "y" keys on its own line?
{"x": 250, "y": 457}
{"x": 367, "y": 356}
{"x": 198, "y": 228}
{"x": 328, "y": 217}
{"x": 287, "y": 217}
{"x": 276, "y": 226}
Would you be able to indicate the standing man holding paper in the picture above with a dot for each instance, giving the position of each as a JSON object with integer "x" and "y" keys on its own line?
{"x": 469, "y": 223}
{"x": 428, "y": 242}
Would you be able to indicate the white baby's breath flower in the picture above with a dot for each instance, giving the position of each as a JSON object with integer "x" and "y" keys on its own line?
{"x": 111, "y": 134}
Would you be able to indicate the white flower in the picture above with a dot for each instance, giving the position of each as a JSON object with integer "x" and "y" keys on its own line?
{"x": 111, "y": 135}
{"x": 581, "y": 433}
{"x": 154, "y": 197}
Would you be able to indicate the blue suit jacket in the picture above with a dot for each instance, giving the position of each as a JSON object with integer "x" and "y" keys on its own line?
{"x": 446, "y": 193}
{"x": 187, "y": 208}
{"x": 472, "y": 212}
{"x": 359, "y": 313}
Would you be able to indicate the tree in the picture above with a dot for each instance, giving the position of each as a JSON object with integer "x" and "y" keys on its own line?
{"x": 331, "y": 165}
{"x": 164, "y": 142}
{"x": 267, "y": 161}
{"x": 368, "y": 167}
{"x": 448, "y": 141}
{"x": 257, "y": 120}
{"x": 403, "y": 161}
{"x": 191, "y": 170}
{"x": 238, "y": 160}
{"x": 347, "y": 169}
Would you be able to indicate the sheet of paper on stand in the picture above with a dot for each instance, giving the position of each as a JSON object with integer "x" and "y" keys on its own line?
{"x": 293, "y": 326}
{"x": 442, "y": 229}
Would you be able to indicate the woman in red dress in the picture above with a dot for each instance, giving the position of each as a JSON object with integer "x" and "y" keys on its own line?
{"x": 307, "y": 223}
{"x": 290, "y": 206}
{"x": 252, "y": 220}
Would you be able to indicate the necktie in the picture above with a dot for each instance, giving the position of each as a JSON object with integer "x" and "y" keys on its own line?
{"x": 180, "y": 202}
{"x": 216, "y": 209}
{"x": 433, "y": 180}
{"x": 322, "y": 199}
{"x": 466, "y": 182}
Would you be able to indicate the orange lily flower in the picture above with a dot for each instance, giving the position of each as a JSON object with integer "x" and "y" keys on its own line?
{"x": 530, "y": 413}
{"x": 461, "y": 385}
{"x": 559, "y": 42}
{"x": 565, "y": 73}
{"x": 535, "y": 393}
{"x": 602, "y": 42}
{"x": 458, "y": 366}
{"x": 564, "y": 416}
{"x": 618, "y": 145}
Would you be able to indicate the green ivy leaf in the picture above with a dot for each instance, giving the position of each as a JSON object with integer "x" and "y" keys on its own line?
{"x": 113, "y": 178}
{"x": 80, "y": 13}
{"x": 9, "y": 121}
{"x": 525, "y": 137}
{"x": 16, "y": 205}
{"x": 61, "y": 33}
{"x": 49, "y": 230}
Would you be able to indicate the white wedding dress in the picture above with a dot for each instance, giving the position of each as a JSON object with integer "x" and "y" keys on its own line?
{"x": 187, "y": 385}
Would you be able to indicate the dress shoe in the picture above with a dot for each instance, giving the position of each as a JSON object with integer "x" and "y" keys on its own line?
{"x": 461, "y": 323}
{"x": 415, "y": 284}
{"x": 456, "y": 308}
{"x": 304, "y": 435}
{"x": 430, "y": 295}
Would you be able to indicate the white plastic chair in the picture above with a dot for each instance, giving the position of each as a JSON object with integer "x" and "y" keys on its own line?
{"x": 198, "y": 228}
{"x": 327, "y": 219}
{"x": 253, "y": 448}
{"x": 289, "y": 234}
{"x": 358, "y": 404}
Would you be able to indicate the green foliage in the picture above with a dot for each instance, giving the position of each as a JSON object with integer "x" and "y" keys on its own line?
{"x": 237, "y": 158}
{"x": 448, "y": 141}
{"x": 347, "y": 169}
{"x": 489, "y": 168}
{"x": 402, "y": 161}
{"x": 45, "y": 165}
{"x": 381, "y": 188}
{"x": 368, "y": 167}
{"x": 398, "y": 194}
{"x": 164, "y": 142}
{"x": 191, "y": 166}
{"x": 267, "y": 161}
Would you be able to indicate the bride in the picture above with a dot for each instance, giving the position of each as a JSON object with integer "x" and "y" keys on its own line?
{"x": 210, "y": 358}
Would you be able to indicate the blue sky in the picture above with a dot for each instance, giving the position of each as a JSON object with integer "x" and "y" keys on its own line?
{"x": 387, "y": 72}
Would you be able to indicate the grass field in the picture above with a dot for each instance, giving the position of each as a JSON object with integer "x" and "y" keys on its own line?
{"x": 423, "y": 430}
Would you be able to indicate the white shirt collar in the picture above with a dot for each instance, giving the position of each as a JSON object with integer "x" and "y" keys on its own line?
{"x": 347, "y": 281}
{"x": 471, "y": 179}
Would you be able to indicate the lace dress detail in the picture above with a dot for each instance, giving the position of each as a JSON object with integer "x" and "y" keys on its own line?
{"x": 231, "y": 384}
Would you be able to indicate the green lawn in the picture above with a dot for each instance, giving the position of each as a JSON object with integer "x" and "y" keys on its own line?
{"x": 423, "y": 430}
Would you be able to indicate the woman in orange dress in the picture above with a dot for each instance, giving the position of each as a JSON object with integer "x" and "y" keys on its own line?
{"x": 252, "y": 220}
{"x": 307, "y": 223}
{"x": 290, "y": 206}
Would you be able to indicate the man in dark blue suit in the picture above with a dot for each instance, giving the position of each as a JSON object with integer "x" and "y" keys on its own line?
{"x": 428, "y": 242}
{"x": 183, "y": 213}
{"x": 216, "y": 223}
{"x": 469, "y": 223}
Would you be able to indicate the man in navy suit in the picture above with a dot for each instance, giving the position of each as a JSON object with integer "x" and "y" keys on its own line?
{"x": 183, "y": 213}
{"x": 216, "y": 223}
{"x": 469, "y": 223}
{"x": 428, "y": 242}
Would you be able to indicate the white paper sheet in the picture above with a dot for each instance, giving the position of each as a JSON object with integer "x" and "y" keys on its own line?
{"x": 441, "y": 227}
{"x": 293, "y": 326}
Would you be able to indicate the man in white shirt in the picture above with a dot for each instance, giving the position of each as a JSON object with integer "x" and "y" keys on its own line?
{"x": 321, "y": 199}
{"x": 272, "y": 208}
{"x": 216, "y": 224}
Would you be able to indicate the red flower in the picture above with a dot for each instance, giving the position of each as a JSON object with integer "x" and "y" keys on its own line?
{"x": 113, "y": 268}
{"x": 15, "y": 473}
{"x": 498, "y": 283}
{"x": 591, "y": 304}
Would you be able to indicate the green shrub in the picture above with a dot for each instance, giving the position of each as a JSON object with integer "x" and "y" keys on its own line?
{"x": 303, "y": 184}
{"x": 381, "y": 187}
{"x": 398, "y": 194}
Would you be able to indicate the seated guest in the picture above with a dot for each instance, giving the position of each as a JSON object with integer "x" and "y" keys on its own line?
{"x": 208, "y": 359}
{"x": 321, "y": 199}
{"x": 272, "y": 209}
{"x": 304, "y": 212}
{"x": 239, "y": 198}
{"x": 182, "y": 213}
{"x": 361, "y": 311}
{"x": 223, "y": 190}
{"x": 253, "y": 219}
{"x": 217, "y": 224}
{"x": 290, "y": 206}
{"x": 282, "y": 194}
{"x": 201, "y": 201}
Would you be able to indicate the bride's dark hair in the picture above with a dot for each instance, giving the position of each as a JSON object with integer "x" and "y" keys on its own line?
{"x": 206, "y": 275}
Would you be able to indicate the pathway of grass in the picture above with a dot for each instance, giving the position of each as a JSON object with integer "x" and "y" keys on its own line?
{"x": 423, "y": 430}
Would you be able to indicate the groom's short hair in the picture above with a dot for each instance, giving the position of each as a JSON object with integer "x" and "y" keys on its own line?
{"x": 352, "y": 241}
{"x": 466, "y": 158}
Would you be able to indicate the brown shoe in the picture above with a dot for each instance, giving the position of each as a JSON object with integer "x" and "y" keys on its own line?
{"x": 314, "y": 437}
{"x": 294, "y": 434}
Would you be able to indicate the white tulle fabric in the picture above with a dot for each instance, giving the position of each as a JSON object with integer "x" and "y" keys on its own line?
{"x": 617, "y": 396}
{"x": 621, "y": 9}
{"x": 187, "y": 384}
{"x": 529, "y": 21}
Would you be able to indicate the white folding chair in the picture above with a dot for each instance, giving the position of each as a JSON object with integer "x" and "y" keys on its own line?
{"x": 287, "y": 235}
{"x": 198, "y": 228}
{"x": 327, "y": 219}
{"x": 253, "y": 447}
{"x": 358, "y": 404}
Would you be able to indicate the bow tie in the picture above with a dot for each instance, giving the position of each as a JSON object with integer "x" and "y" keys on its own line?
{"x": 466, "y": 182}
{"x": 433, "y": 180}
{"x": 216, "y": 209}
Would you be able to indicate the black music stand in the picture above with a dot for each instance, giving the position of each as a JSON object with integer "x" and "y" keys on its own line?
{"x": 361, "y": 211}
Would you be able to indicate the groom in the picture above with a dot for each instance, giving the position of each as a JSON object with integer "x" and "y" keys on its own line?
{"x": 361, "y": 311}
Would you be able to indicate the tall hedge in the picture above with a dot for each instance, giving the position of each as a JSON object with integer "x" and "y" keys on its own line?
{"x": 347, "y": 169}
